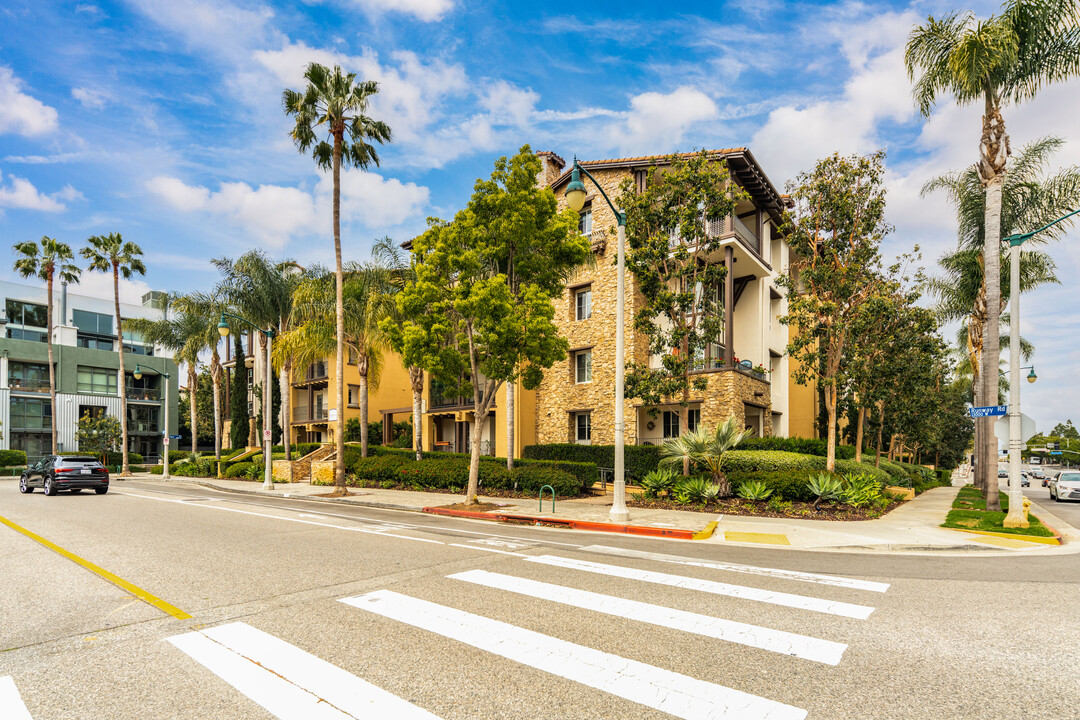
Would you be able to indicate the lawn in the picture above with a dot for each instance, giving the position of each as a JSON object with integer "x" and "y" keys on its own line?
{"x": 969, "y": 513}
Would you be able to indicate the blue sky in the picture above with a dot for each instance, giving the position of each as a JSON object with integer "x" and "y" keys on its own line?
{"x": 162, "y": 120}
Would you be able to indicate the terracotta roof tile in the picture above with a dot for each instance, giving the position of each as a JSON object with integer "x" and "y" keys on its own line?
{"x": 649, "y": 158}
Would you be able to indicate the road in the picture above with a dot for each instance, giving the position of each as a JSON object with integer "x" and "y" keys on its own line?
{"x": 1068, "y": 511}
{"x": 308, "y": 610}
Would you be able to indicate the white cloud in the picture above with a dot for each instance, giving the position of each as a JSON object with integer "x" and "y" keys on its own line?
{"x": 92, "y": 99}
{"x": 268, "y": 212}
{"x": 426, "y": 10}
{"x": 22, "y": 195}
{"x": 20, "y": 113}
{"x": 372, "y": 200}
{"x": 659, "y": 120}
{"x": 508, "y": 104}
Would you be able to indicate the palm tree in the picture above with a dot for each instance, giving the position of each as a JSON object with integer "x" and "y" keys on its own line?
{"x": 208, "y": 306}
{"x": 701, "y": 446}
{"x": 53, "y": 258}
{"x": 109, "y": 253}
{"x": 400, "y": 273}
{"x": 336, "y": 100}
{"x": 1006, "y": 58}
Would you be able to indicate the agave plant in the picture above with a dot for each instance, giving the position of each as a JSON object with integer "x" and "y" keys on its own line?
{"x": 707, "y": 449}
{"x": 756, "y": 490}
{"x": 695, "y": 489}
{"x": 860, "y": 489}
{"x": 661, "y": 480}
{"x": 825, "y": 487}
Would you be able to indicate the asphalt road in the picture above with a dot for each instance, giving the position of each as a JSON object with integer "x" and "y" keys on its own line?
{"x": 459, "y": 619}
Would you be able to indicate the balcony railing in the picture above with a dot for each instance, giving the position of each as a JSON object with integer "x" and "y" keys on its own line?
{"x": 309, "y": 414}
{"x": 450, "y": 446}
{"x": 143, "y": 427}
{"x": 150, "y": 394}
{"x": 33, "y": 386}
{"x": 747, "y": 236}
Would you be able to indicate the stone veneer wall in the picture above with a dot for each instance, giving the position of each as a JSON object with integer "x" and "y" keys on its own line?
{"x": 727, "y": 392}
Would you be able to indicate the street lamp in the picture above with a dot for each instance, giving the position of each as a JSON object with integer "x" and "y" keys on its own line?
{"x": 1015, "y": 518}
{"x": 223, "y": 329}
{"x": 165, "y": 435}
{"x": 575, "y": 198}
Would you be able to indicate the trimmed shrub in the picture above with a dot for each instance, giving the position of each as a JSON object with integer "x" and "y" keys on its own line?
{"x": 586, "y": 472}
{"x": 638, "y": 460}
{"x": 238, "y": 469}
{"x": 531, "y": 478}
{"x": 12, "y": 457}
{"x": 784, "y": 484}
{"x": 804, "y": 446}
{"x": 158, "y": 470}
{"x": 378, "y": 469}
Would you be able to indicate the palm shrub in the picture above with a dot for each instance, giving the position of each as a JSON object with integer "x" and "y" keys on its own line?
{"x": 695, "y": 489}
{"x": 755, "y": 490}
{"x": 860, "y": 490}
{"x": 659, "y": 481}
{"x": 706, "y": 449}
{"x": 825, "y": 487}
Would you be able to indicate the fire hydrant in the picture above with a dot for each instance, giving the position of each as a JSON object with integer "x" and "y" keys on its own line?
{"x": 1027, "y": 504}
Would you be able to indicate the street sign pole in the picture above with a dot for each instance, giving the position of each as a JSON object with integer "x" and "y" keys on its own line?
{"x": 165, "y": 460}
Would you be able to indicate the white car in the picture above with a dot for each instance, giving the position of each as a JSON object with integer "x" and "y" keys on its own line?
{"x": 1066, "y": 486}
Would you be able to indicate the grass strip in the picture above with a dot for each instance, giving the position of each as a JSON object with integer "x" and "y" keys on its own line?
{"x": 969, "y": 513}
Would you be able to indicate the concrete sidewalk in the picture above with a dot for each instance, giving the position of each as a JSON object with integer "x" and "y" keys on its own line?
{"x": 911, "y": 528}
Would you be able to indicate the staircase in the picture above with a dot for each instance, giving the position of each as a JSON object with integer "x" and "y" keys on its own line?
{"x": 302, "y": 467}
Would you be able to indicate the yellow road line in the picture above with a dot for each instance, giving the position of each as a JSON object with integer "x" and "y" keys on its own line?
{"x": 752, "y": 537}
{"x": 114, "y": 579}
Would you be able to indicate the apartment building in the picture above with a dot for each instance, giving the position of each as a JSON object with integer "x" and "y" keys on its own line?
{"x": 86, "y": 369}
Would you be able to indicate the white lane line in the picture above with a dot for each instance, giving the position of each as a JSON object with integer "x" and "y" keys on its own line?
{"x": 11, "y": 704}
{"x": 778, "y": 641}
{"x": 487, "y": 549}
{"x": 679, "y": 695}
{"x": 288, "y": 682}
{"x": 801, "y": 602}
{"x": 288, "y": 519}
{"x": 735, "y": 567}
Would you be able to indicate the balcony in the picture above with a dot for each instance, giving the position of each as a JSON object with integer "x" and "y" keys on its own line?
{"x": 28, "y": 386}
{"x": 303, "y": 414}
{"x": 143, "y": 428}
{"x": 144, "y": 394}
{"x": 746, "y": 236}
{"x": 315, "y": 373}
{"x": 439, "y": 400}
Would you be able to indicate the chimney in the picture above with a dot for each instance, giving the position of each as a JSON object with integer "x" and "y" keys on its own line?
{"x": 551, "y": 167}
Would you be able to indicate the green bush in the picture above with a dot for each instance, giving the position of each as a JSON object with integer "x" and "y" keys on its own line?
{"x": 12, "y": 457}
{"x": 754, "y": 490}
{"x": 238, "y": 469}
{"x": 659, "y": 481}
{"x": 586, "y": 472}
{"x": 439, "y": 472}
{"x": 694, "y": 490}
{"x": 378, "y": 469}
{"x": 638, "y": 460}
{"x": 531, "y": 478}
{"x": 157, "y": 470}
{"x": 944, "y": 477}
{"x": 804, "y": 446}
{"x": 111, "y": 459}
{"x": 861, "y": 490}
{"x": 739, "y": 462}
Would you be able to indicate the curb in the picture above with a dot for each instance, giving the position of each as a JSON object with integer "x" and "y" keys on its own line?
{"x": 580, "y": 524}
{"x": 1051, "y": 528}
{"x": 1056, "y": 540}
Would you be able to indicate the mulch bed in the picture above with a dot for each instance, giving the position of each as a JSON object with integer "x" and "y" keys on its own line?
{"x": 760, "y": 508}
{"x": 472, "y": 507}
{"x": 339, "y": 493}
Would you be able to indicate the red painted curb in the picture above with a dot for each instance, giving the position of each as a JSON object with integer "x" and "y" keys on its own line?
{"x": 573, "y": 524}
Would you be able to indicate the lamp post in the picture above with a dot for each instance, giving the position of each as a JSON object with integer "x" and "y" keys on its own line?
{"x": 575, "y": 197}
{"x": 268, "y": 423}
{"x": 1015, "y": 518}
{"x": 165, "y": 435}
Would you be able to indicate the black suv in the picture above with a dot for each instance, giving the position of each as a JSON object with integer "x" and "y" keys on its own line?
{"x": 54, "y": 473}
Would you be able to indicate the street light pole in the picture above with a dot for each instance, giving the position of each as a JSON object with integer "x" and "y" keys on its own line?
{"x": 165, "y": 435}
{"x": 1015, "y": 517}
{"x": 268, "y": 422}
{"x": 575, "y": 197}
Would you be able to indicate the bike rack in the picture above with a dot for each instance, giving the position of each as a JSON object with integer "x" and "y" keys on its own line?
{"x": 548, "y": 487}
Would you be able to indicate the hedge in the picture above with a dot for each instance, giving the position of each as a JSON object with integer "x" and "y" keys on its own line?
{"x": 111, "y": 459}
{"x": 452, "y": 473}
{"x": 586, "y": 472}
{"x": 12, "y": 457}
{"x": 638, "y": 460}
{"x": 805, "y": 446}
{"x": 239, "y": 469}
{"x": 16, "y": 471}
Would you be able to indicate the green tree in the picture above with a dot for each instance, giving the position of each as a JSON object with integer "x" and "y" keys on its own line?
{"x": 335, "y": 99}
{"x": 100, "y": 434}
{"x": 1066, "y": 430}
{"x": 835, "y": 232}
{"x": 209, "y": 306}
{"x": 1005, "y": 58}
{"x": 52, "y": 258}
{"x": 111, "y": 254}
{"x": 671, "y": 255}
{"x": 239, "y": 418}
{"x": 204, "y": 410}
{"x": 464, "y": 324}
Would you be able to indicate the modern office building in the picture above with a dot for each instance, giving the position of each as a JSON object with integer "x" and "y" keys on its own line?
{"x": 86, "y": 368}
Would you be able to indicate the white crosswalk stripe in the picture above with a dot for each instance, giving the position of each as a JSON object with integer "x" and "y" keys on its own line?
{"x": 11, "y": 704}
{"x": 287, "y": 681}
{"x": 802, "y": 602}
{"x": 778, "y": 641}
{"x": 678, "y": 695}
{"x": 852, "y": 583}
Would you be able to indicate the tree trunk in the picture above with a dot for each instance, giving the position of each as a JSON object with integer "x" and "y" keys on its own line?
{"x": 125, "y": 470}
{"x": 193, "y": 380}
{"x": 510, "y": 424}
{"x": 880, "y": 430}
{"x": 215, "y": 379}
{"x": 339, "y": 320}
{"x": 416, "y": 377}
{"x": 474, "y": 461}
{"x": 286, "y": 415}
{"x": 52, "y": 370}
{"x": 859, "y": 434}
{"x": 830, "y": 407}
{"x": 364, "y": 414}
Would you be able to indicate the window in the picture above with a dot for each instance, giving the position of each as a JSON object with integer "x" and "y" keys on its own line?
{"x": 693, "y": 419}
{"x": 22, "y": 334}
{"x": 354, "y": 396}
{"x": 352, "y": 356}
{"x": 583, "y": 428}
{"x": 99, "y": 381}
{"x": 28, "y": 377}
{"x": 585, "y": 222}
{"x": 671, "y": 424}
{"x": 92, "y": 322}
{"x": 30, "y": 414}
{"x": 136, "y": 344}
{"x": 94, "y": 343}
{"x": 583, "y": 303}
{"x": 583, "y": 364}
{"x": 94, "y": 411}
{"x": 26, "y": 313}
{"x": 142, "y": 418}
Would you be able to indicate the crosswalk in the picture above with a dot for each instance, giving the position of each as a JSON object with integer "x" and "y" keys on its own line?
{"x": 291, "y": 683}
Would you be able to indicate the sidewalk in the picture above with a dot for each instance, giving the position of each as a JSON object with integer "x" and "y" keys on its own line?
{"x": 911, "y": 528}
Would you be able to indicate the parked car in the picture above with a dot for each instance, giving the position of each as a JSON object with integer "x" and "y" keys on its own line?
{"x": 76, "y": 473}
{"x": 1066, "y": 486}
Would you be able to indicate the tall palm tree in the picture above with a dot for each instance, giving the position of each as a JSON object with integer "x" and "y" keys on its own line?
{"x": 207, "y": 307}
{"x": 109, "y": 253}
{"x": 1005, "y": 58}
{"x": 335, "y": 99}
{"x": 54, "y": 258}
{"x": 400, "y": 273}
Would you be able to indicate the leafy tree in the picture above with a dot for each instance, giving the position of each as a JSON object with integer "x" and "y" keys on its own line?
{"x": 464, "y": 323}
{"x": 100, "y": 434}
{"x": 109, "y": 253}
{"x": 1005, "y": 58}
{"x": 204, "y": 410}
{"x": 209, "y": 306}
{"x": 672, "y": 257}
{"x": 1066, "y": 430}
{"x": 239, "y": 426}
{"x": 335, "y": 100}
{"x": 835, "y": 232}
{"x": 53, "y": 258}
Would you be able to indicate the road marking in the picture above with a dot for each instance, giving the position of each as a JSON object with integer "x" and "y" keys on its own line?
{"x": 487, "y": 549}
{"x": 287, "y": 681}
{"x": 778, "y": 641}
{"x": 753, "y": 537}
{"x": 103, "y": 573}
{"x": 11, "y": 704}
{"x": 801, "y": 602}
{"x": 679, "y": 695}
{"x": 317, "y": 517}
{"x": 751, "y": 569}
{"x": 289, "y": 519}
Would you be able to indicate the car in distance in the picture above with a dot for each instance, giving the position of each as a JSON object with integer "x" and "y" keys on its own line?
{"x": 76, "y": 473}
{"x": 1066, "y": 486}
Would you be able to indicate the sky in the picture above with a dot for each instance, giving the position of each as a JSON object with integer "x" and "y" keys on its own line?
{"x": 162, "y": 121}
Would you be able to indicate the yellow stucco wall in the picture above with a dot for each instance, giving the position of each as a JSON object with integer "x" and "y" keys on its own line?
{"x": 802, "y": 404}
